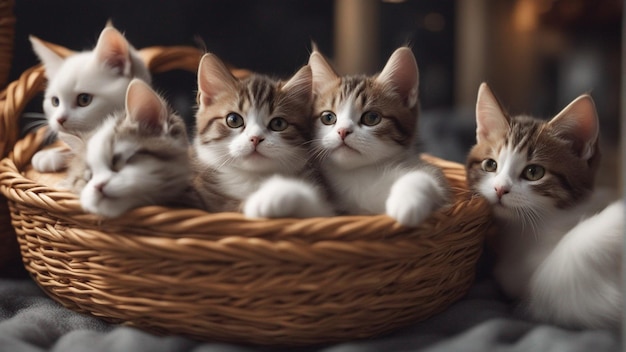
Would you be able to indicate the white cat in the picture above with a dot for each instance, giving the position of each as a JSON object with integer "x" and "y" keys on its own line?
{"x": 83, "y": 88}
{"x": 365, "y": 136}
{"x": 559, "y": 251}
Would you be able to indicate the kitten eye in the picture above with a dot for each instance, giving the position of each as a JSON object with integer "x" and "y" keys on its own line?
{"x": 328, "y": 118}
{"x": 116, "y": 162}
{"x": 533, "y": 172}
{"x": 55, "y": 101}
{"x": 234, "y": 120}
{"x": 278, "y": 124}
{"x": 371, "y": 118}
{"x": 489, "y": 165}
{"x": 84, "y": 99}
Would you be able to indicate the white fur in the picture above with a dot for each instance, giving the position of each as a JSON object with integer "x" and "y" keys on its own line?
{"x": 280, "y": 197}
{"x": 83, "y": 72}
{"x": 51, "y": 159}
{"x": 565, "y": 265}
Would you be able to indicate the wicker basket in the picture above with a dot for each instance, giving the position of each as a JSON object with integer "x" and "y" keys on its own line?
{"x": 222, "y": 277}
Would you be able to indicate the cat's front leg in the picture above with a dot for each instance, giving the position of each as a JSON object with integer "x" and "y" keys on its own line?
{"x": 52, "y": 159}
{"x": 282, "y": 197}
{"x": 414, "y": 196}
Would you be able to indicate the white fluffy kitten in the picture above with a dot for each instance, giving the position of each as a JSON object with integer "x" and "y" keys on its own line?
{"x": 83, "y": 88}
{"x": 365, "y": 136}
{"x": 558, "y": 250}
{"x": 139, "y": 156}
{"x": 251, "y": 145}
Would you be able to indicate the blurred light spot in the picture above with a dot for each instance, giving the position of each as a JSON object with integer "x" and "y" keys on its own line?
{"x": 434, "y": 22}
{"x": 525, "y": 15}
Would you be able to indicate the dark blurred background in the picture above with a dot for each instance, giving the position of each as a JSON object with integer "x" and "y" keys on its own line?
{"x": 537, "y": 55}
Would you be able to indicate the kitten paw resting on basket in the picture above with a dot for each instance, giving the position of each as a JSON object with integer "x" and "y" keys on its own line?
{"x": 559, "y": 246}
{"x": 365, "y": 136}
{"x": 252, "y": 144}
{"x": 83, "y": 88}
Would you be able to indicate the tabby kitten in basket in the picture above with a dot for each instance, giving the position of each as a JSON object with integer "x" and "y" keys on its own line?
{"x": 365, "y": 138}
{"x": 558, "y": 247}
{"x": 251, "y": 147}
{"x": 83, "y": 88}
{"x": 139, "y": 156}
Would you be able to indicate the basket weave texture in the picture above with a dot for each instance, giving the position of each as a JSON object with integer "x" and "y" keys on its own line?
{"x": 222, "y": 277}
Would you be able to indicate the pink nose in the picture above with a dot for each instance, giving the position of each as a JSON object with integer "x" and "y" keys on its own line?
{"x": 501, "y": 191}
{"x": 256, "y": 140}
{"x": 343, "y": 133}
{"x": 61, "y": 120}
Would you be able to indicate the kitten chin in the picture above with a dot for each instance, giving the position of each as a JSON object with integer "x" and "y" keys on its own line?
{"x": 558, "y": 246}
{"x": 85, "y": 87}
{"x": 252, "y": 144}
{"x": 365, "y": 132}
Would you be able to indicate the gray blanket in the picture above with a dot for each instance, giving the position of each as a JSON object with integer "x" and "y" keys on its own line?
{"x": 481, "y": 321}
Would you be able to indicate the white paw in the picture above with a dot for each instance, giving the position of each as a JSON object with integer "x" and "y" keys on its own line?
{"x": 281, "y": 197}
{"x": 414, "y": 197}
{"x": 51, "y": 160}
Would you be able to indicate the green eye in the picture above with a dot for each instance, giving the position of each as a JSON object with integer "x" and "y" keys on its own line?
{"x": 489, "y": 165}
{"x": 84, "y": 99}
{"x": 328, "y": 118}
{"x": 533, "y": 172}
{"x": 55, "y": 101}
{"x": 278, "y": 124}
{"x": 234, "y": 120}
{"x": 371, "y": 118}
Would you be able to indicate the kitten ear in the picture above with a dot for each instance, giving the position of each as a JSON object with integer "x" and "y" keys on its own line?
{"x": 300, "y": 85}
{"x": 51, "y": 55}
{"x": 323, "y": 74}
{"x": 144, "y": 106}
{"x": 113, "y": 50}
{"x": 402, "y": 74}
{"x": 578, "y": 122}
{"x": 491, "y": 121}
{"x": 214, "y": 78}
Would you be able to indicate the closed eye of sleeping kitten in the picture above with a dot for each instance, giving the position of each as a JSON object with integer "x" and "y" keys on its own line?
{"x": 251, "y": 147}
{"x": 139, "y": 156}
{"x": 365, "y": 137}
{"x": 559, "y": 246}
{"x": 83, "y": 88}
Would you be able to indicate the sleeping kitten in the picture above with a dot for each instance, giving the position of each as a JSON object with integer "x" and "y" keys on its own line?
{"x": 139, "y": 156}
{"x": 83, "y": 88}
{"x": 558, "y": 250}
{"x": 365, "y": 136}
{"x": 251, "y": 145}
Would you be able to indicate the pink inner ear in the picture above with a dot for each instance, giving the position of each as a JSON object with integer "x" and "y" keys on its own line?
{"x": 214, "y": 78}
{"x": 144, "y": 106}
{"x": 579, "y": 121}
{"x": 490, "y": 119}
{"x": 322, "y": 72}
{"x": 401, "y": 72}
{"x": 113, "y": 49}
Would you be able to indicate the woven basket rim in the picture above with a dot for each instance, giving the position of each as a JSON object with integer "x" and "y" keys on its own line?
{"x": 142, "y": 269}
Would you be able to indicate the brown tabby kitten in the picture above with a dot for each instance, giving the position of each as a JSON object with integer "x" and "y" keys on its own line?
{"x": 251, "y": 147}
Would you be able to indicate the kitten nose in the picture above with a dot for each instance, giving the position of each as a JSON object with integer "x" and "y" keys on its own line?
{"x": 100, "y": 187}
{"x": 501, "y": 191}
{"x": 343, "y": 132}
{"x": 61, "y": 120}
{"x": 256, "y": 140}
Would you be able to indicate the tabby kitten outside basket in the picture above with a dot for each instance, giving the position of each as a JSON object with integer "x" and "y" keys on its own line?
{"x": 365, "y": 139}
{"x": 138, "y": 156}
{"x": 559, "y": 246}
{"x": 252, "y": 144}
{"x": 83, "y": 88}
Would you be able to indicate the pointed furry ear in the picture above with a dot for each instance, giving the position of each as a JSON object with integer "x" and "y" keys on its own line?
{"x": 323, "y": 74}
{"x": 214, "y": 78}
{"x": 402, "y": 74}
{"x": 144, "y": 106}
{"x": 491, "y": 121}
{"x": 113, "y": 50}
{"x": 300, "y": 84}
{"x": 50, "y": 55}
{"x": 579, "y": 123}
